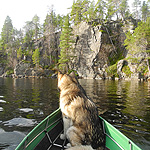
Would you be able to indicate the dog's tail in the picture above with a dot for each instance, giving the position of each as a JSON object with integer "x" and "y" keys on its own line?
{"x": 82, "y": 147}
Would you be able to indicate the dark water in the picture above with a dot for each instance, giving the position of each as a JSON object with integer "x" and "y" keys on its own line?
{"x": 25, "y": 102}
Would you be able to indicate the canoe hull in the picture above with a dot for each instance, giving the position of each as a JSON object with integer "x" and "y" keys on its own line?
{"x": 46, "y": 136}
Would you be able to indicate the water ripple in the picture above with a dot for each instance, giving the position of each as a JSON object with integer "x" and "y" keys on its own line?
{"x": 1, "y": 109}
{"x": 26, "y": 110}
{"x": 2, "y": 101}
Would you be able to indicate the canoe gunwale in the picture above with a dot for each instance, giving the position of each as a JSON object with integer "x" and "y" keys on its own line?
{"x": 25, "y": 143}
{"x": 109, "y": 135}
{"x": 45, "y": 130}
{"x": 113, "y": 133}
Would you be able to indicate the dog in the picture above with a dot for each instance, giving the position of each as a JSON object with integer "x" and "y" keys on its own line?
{"x": 82, "y": 126}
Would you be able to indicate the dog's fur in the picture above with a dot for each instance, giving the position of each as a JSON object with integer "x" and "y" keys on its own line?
{"x": 82, "y": 125}
{"x": 81, "y": 147}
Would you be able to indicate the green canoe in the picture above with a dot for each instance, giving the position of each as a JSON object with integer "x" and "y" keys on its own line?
{"x": 45, "y": 136}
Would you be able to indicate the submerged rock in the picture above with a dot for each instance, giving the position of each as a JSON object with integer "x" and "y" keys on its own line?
{"x": 10, "y": 140}
{"x": 1, "y": 109}
{"x": 20, "y": 122}
{"x": 26, "y": 110}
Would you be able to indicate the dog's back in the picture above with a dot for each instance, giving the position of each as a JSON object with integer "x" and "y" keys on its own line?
{"x": 75, "y": 104}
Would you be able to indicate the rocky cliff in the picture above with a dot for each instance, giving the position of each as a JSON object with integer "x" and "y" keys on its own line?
{"x": 98, "y": 52}
{"x": 97, "y": 47}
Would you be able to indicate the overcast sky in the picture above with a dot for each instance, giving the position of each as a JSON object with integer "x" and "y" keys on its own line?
{"x": 21, "y": 11}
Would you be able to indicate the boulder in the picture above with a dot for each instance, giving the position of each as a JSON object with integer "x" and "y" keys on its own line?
{"x": 48, "y": 72}
{"x": 28, "y": 72}
{"x": 33, "y": 72}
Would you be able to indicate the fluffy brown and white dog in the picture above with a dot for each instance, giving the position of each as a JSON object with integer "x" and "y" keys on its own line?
{"x": 82, "y": 125}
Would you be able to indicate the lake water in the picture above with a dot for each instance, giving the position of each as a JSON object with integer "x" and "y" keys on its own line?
{"x": 25, "y": 102}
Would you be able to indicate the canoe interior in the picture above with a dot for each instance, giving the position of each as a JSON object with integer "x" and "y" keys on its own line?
{"x": 46, "y": 135}
{"x": 51, "y": 140}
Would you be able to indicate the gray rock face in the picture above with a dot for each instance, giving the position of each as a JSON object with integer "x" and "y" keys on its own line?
{"x": 120, "y": 65}
{"x": 86, "y": 48}
{"x": 20, "y": 68}
{"x": 23, "y": 70}
{"x": 1, "y": 69}
{"x": 94, "y": 46}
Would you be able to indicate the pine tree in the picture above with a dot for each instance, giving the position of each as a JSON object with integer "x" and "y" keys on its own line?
{"x": 124, "y": 9}
{"x": 59, "y": 22}
{"x": 50, "y": 27}
{"x": 79, "y": 11}
{"x": 36, "y": 27}
{"x": 100, "y": 9}
{"x": 6, "y": 40}
{"x": 36, "y": 57}
{"x": 136, "y": 8}
{"x": 7, "y": 30}
{"x": 145, "y": 11}
{"x": 90, "y": 12}
{"x": 19, "y": 53}
{"x": 139, "y": 42}
{"x": 85, "y": 10}
{"x": 28, "y": 29}
{"x": 65, "y": 45}
{"x": 110, "y": 9}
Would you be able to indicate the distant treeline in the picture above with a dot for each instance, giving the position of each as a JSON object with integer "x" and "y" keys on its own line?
{"x": 17, "y": 45}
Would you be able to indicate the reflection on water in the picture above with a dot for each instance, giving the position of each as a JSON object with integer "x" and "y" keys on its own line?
{"x": 25, "y": 102}
{"x": 126, "y": 105}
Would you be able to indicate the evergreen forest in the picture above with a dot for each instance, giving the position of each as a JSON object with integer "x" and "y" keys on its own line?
{"x": 48, "y": 45}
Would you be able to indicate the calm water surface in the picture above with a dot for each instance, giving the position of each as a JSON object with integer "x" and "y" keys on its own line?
{"x": 25, "y": 102}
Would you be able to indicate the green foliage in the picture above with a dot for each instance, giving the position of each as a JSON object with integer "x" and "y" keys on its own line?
{"x": 124, "y": 9}
{"x": 10, "y": 71}
{"x": 36, "y": 27}
{"x": 133, "y": 60}
{"x": 17, "y": 43}
{"x": 36, "y": 57}
{"x": 112, "y": 70}
{"x": 85, "y": 10}
{"x": 136, "y": 8}
{"x": 6, "y": 34}
{"x": 100, "y": 9}
{"x": 69, "y": 71}
{"x": 59, "y": 21}
{"x": 116, "y": 57}
{"x": 76, "y": 12}
{"x": 143, "y": 69}
{"x": 90, "y": 12}
{"x": 28, "y": 35}
{"x": 110, "y": 9}
{"x": 138, "y": 41}
{"x": 126, "y": 70}
{"x": 19, "y": 53}
{"x": 65, "y": 45}
{"x": 145, "y": 10}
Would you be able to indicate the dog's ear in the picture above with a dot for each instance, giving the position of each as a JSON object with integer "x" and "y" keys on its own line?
{"x": 60, "y": 75}
{"x": 72, "y": 74}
